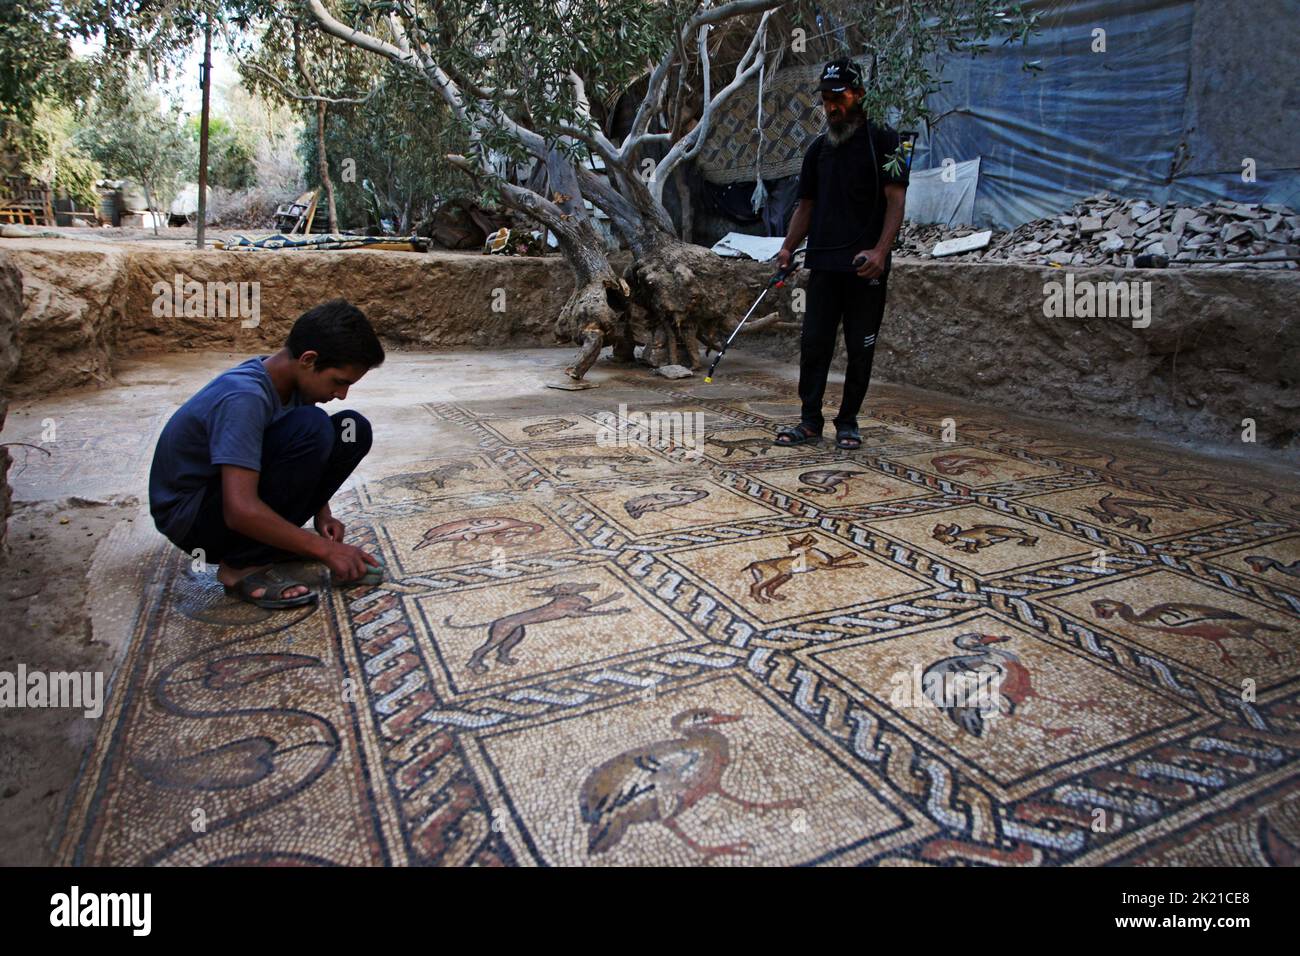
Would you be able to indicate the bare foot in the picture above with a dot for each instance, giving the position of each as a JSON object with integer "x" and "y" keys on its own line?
{"x": 231, "y": 576}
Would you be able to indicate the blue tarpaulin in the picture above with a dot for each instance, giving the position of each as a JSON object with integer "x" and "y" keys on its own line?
{"x": 1185, "y": 93}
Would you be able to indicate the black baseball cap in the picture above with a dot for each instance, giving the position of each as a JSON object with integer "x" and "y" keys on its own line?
{"x": 840, "y": 75}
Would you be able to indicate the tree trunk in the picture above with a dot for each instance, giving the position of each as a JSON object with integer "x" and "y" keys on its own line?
{"x": 675, "y": 284}
{"x": 148, "y": 203}
{"x": 323, "y": 166}
{"x": 596, "y": 313}
{"x": 671, "y": 281}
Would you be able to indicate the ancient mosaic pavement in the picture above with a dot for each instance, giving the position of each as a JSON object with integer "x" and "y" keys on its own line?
{"x": 590, "y": 654}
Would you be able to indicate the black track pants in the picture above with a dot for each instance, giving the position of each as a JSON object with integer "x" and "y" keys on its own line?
{"x": 835, "y": 297}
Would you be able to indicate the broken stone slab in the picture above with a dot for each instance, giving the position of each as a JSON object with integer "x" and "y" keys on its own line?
{"x": 952, "y": 247}
{"x": 1117, "y": 219}
{"x": 1181, "y": 218}
{"x": 674, "y": 371}
{"x": 1233, "y": 231}
{"x": 1090, "y": 224}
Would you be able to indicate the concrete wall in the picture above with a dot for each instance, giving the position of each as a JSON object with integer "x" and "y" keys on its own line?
{"x": 1221, "y": 345}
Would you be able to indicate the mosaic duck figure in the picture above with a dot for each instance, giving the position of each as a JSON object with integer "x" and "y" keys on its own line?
{"x": 967, "y": 715}
{"x": 658, "y": 782}
{"x": 1010, "y": 693}
{"x": 1204, "y": 621}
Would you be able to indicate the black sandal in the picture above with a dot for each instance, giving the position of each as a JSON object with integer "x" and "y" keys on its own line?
{"x": 274, "y": 584}
{"x": 850, "y": 439}
{"x": 799, "y": 434}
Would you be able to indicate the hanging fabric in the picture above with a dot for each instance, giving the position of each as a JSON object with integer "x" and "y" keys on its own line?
{"x": 759, "y": 199}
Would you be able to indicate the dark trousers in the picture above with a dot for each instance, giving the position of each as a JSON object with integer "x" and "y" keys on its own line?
{"x": 306, "y": 457}
{"x": 835, "y": 298}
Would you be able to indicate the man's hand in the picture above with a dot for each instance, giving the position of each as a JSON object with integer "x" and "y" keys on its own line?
{"x": 328, "y": 526}
{"x": 345, "y": 562}
{"x": 874, "y": 265}
{"x": 783, "y": 258}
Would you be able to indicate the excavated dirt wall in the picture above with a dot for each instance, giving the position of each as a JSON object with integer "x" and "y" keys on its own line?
{"x": 11, "y": 298}
{"x": 1221, "y": 346}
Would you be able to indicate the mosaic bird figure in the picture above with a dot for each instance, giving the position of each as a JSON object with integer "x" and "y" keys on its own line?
{"x": 956, "y": 465}
{"x": 1014, "y": 688}
{"x": 825, "y": 481}
{"x": 969, "y": 670}
{"x": 1278, "y": 850}
{"x": 658, "y": 782}
{"x": 1204, "y": 621}
{"x": 1260, "y": 563}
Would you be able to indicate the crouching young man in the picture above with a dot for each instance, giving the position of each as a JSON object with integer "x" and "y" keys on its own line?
{"x": 242, "y": 466}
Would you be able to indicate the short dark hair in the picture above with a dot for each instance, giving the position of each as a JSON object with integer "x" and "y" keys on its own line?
{"x": 339, "y": 333}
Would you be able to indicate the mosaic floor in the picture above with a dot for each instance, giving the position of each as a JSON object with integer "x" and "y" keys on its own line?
{"x": 993, "y": 650}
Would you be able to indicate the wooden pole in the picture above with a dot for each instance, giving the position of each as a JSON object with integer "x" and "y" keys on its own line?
{"x": 206, "y": 80}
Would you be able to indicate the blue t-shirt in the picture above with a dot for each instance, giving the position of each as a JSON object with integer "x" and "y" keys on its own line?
{"x": 222, "y": 424}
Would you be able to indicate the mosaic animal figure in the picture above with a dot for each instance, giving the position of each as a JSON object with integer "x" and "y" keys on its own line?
{"x": 771, "y": 573}
{"x": 496, "y": 529}
{"x": 658, "y": 782}
{"x": 680, "y": 496}
{"x": 979, "y": 536}
{"x": 1202, "y": 621}
{"x": 825, "y": 481}
{"x": 567, "y": 600}
{"x": 956, "y": 465}
{"x": 751, "y": 446}
{"x": 435, "y": 478}
{"x": 970, "y": 668}
{"x": 564, "y": 463}
{"x": 550, "y": 427}
{"x": 1260, "y": 563}
{"x": 1120, "y": 511}
{"x": 1013, "y": 688}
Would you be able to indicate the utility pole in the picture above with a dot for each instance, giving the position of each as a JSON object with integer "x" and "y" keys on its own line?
{"x": 205, "y": 78}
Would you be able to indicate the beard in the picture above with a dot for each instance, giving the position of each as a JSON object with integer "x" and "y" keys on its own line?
{"x": 838, "y": 133}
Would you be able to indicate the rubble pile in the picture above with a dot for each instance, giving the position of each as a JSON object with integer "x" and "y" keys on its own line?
{"x": 1102, "y": 230}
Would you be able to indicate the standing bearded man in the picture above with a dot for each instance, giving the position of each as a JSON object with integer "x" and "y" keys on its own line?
{"x": 850, "y": 208}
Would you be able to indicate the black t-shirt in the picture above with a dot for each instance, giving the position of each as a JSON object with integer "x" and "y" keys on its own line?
{"x": 848, "y": 197}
